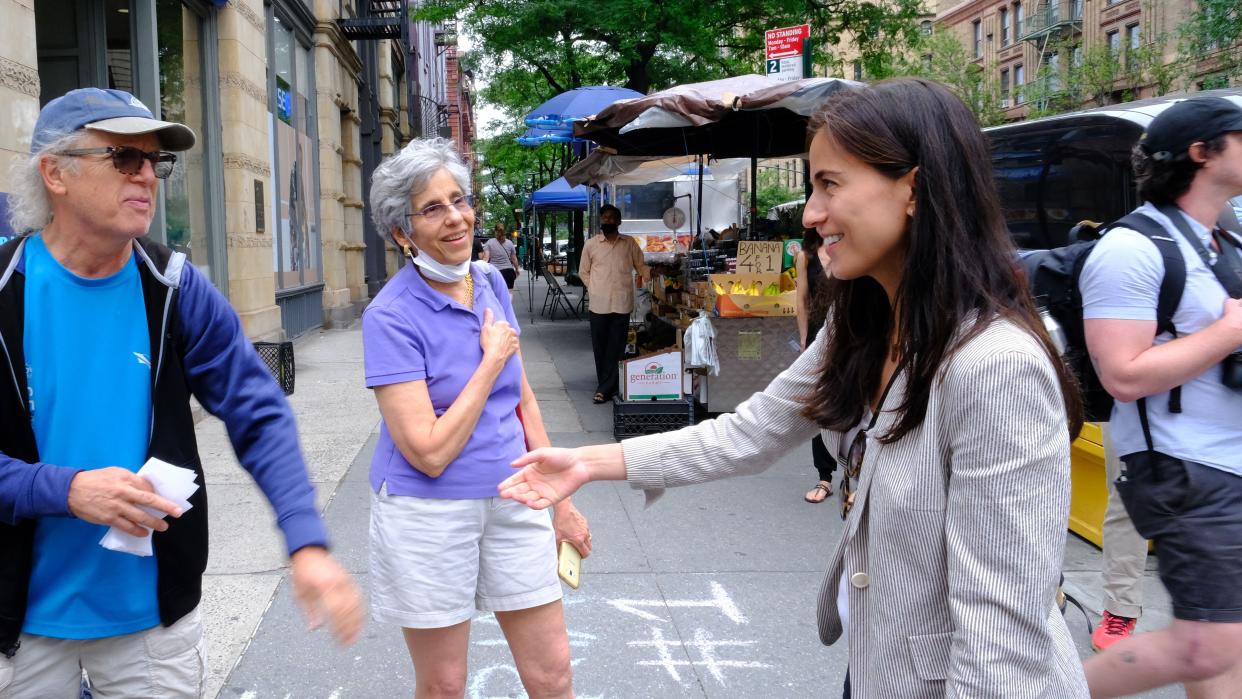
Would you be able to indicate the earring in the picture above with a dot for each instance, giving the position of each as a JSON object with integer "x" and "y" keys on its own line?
{"x": 408, "y": 252}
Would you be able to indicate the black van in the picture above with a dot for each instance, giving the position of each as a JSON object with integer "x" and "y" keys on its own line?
{"x": 1059, "y": 170}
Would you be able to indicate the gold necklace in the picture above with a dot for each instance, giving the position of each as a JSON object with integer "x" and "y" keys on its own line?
{"x": 469, "y": 302}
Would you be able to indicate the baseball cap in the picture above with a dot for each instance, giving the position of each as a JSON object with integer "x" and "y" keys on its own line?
{"x": 111, "y": 111}
{"x": 1189, "y": 121}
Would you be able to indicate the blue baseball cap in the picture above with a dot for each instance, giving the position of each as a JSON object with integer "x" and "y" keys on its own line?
{"x": 110, "y": 111}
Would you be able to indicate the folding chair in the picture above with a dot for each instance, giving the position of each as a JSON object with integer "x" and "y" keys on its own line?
{"x": 556, "y": 299}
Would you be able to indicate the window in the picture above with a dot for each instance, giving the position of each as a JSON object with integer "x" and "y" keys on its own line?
{"x": 1004, "y": 88}
{"x": 1075, "y": 9}
{"x": 647, "y": 201}
{"x": 1019, "y": 79}
{"x": 1076, "y": 56}
{"x": 927, "y": 61}
{"x": 1114, "y": 42}
{"x": 1004, "y": 22}
{"x": 1133, "y": 37}
{"x": 191, "y": 222}
{"x": 977, "y": 29}
{"x": 295, "y": 189}
{"x": 1019, "y": 18}
{"x": 926, "y": 27}
{"x": 858, "y": 71}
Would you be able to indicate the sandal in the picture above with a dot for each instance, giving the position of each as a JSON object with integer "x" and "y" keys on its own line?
{"x": 599, "y": 398}
{"x": 819, "y": 493}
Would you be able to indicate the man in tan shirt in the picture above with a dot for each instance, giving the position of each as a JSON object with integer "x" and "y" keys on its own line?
{"x": 609, "y": 261}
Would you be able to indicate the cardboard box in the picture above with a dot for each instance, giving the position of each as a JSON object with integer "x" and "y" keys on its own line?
{"x": 652, "y": 376}
{"x": 741, "y": 305}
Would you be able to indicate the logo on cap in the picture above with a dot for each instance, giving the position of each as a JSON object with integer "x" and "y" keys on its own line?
{"x": 134, "y": 102}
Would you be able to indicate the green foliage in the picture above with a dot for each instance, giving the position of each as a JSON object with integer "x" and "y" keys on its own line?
{"x": 941, "y": 56}
{"x": 1212, "y": 38}
{"x": 772, "y": 191}
{"x": 509, "y": 172}
{"x": 539, "y": 48}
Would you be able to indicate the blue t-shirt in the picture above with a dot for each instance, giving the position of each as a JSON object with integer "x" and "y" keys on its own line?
{"x": 88, "y": 369}
{"x": 1121, "y": 281}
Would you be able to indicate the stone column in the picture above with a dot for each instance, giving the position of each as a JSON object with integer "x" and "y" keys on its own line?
{"x": 246, "y": 126}
{"x": 19, "y": 84}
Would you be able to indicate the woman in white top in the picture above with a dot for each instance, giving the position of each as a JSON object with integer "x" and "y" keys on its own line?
{"x": 502, "y": 255}
{"x": 943, "y": 397}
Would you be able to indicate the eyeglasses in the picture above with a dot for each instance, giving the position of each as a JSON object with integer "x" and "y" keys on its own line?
{"x": 128, "y": 159}
{"x": 436, "y": 212}
{"x": 851, "y": 466}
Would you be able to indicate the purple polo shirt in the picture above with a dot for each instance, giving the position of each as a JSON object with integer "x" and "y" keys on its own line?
{"x": 411, "y": 332}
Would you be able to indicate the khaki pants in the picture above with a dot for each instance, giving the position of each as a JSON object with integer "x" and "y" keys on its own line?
{"x": 1125, "y": 552}
{"x": 158, "y": 662}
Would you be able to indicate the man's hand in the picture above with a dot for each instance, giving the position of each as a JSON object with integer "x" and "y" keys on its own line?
{"x": 326, "y": 593}
{"x": 114, "y": 496}
{"x": 548, "y": 476}
{"x": 571, "y": 526}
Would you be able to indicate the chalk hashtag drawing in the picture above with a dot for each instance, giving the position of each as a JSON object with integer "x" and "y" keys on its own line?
{"x": 719, "y": 599}
{"x": 706, "y": 648}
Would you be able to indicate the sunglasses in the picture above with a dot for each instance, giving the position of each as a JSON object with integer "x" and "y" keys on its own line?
{"x": 436, "y": 212}
{"x": 128, "y": 159}
{"x": 851, "y": 467}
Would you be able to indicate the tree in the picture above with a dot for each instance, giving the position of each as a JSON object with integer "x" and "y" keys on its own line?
{"x": 941, "y": 56}
{"x": 1211, "y": 38}
{"x": 540, "y": 48}
{"x": 511, "y": 171}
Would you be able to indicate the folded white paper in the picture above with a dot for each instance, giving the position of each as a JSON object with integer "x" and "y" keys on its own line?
{"x": 171, "y": 483}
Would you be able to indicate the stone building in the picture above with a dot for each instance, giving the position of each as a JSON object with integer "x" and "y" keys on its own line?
{"x": 294, "y": 102}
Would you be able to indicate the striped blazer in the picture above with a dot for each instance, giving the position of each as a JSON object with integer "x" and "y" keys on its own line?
{"x": 953, "y": 550}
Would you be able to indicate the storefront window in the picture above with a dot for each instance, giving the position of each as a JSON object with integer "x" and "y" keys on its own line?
{"x": 296, "y": 190}
{"x": 182, "y": 99}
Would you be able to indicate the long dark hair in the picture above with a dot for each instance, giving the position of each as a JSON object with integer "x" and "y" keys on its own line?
{"x": 959, "y": 264}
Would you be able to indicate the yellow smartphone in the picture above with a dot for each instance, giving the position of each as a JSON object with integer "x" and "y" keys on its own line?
{"x": 569, "y": 565}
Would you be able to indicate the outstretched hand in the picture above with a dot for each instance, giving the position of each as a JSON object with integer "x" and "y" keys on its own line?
{"x": 548, "y": 476}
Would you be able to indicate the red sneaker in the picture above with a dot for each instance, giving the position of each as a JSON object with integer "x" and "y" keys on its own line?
{"x": 1112, "y": 628}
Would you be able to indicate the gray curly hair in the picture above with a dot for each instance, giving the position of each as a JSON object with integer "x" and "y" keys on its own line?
{"x": 406, "y": 173}
{"x": 29, "y": 207}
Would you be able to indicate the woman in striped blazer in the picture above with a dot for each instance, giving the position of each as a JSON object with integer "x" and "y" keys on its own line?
{"x": 950, "y": 410}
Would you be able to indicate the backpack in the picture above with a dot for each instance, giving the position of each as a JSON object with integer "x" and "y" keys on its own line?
{"x": 1053, "y": 279}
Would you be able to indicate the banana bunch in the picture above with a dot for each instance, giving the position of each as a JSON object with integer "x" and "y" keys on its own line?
{"x": 789, "y": 280}
{"x": 772, "y": 289}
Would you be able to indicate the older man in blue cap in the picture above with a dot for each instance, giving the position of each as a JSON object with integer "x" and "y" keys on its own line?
{"x": 104, "y": 336}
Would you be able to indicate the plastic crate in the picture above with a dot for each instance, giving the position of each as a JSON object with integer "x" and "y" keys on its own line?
{"x": 635, "y": 418}
{"x": 278, "y": 356}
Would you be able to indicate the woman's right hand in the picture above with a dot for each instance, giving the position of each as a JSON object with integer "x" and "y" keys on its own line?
{"x": 498, "y": 339}
{"x": 548, "y": 476}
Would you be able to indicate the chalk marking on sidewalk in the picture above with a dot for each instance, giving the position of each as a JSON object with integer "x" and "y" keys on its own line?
{"x": 720, "y": 599}
{"x": 706, "y": 647}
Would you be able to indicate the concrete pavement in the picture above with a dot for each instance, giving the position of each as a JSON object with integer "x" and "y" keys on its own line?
{"x": 710, "y": 593}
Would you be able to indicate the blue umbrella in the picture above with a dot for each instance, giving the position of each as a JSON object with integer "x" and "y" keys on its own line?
{"x": 576, "y": 104}
{"x": 539, "y": 136}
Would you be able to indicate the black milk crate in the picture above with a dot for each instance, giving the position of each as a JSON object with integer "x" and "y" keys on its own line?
{"x": 278, "y": 356}
{"x": 635, "y": 418}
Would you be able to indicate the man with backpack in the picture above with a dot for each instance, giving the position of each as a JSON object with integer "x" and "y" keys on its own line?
{"x": 1163, "y": 326}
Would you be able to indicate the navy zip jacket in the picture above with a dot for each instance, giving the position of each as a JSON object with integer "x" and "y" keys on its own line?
{"x": 197, "y": 348}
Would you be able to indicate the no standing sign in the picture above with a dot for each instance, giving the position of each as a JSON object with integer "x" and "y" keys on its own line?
{"x": 783, "y": 51}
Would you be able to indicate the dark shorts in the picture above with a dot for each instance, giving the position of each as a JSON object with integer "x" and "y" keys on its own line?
{"x": 1193, "y": 513}
{"x": 510, "y": 276}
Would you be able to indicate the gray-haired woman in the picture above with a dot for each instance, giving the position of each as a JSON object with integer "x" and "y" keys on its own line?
{"x": 441, "y": 350}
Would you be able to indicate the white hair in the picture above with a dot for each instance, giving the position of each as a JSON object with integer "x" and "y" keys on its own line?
{"x": 30, "y": 209}
{"x": 405, "y": 174}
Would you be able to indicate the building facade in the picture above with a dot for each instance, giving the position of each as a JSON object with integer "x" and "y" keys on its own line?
{"x": 293, "y": 105}
{"x": 1027, "y": 48}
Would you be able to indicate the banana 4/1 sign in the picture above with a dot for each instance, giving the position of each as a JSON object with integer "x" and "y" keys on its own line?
{"x": 785, "y": 42}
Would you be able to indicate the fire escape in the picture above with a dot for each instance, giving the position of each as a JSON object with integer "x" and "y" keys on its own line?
{"x": 377, "y": 20}
{"x": 1047, "y": 27}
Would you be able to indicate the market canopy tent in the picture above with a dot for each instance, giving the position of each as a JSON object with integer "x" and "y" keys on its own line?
{"x": 559, "y": 195}
{"x": 748, "y": 116}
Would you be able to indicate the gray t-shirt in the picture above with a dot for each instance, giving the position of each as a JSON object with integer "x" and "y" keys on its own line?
{"x": 1121, "y": 281}
{"x": 498, "y": 253}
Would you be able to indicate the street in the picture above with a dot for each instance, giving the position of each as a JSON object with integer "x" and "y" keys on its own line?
{"x": 710, "y": 593}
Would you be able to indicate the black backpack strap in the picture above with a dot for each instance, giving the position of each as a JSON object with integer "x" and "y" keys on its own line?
{"x": 1171, "y": 288}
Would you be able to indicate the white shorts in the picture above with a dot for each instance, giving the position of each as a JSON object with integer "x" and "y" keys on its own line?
{"x": 434, "y": 562}
{"x": 158, "y": 662}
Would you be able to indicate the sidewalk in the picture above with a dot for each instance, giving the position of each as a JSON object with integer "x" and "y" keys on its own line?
{"x": 710, "y": 593}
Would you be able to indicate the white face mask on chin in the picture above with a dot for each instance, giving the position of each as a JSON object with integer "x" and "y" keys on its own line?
{"x": 438, "y": 271}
